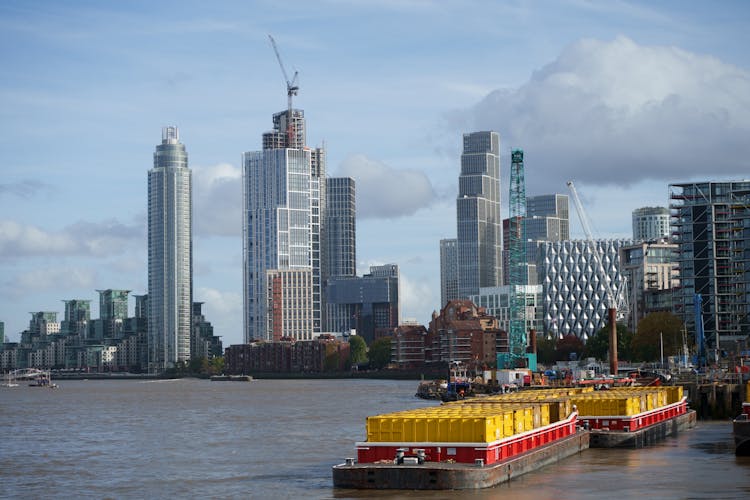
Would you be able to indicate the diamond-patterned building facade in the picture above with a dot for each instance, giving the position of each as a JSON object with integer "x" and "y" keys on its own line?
{"x": 574, "y": 295}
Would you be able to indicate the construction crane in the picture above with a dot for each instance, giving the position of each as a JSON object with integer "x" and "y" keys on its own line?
{"x": 517, "y": 265}
{"x": 292, "y": 87}
{"x": 616, "y": 302}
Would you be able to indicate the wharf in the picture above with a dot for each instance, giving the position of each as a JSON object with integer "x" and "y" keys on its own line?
{"x": 455, "y": 476}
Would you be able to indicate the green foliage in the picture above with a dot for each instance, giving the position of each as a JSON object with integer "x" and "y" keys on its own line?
{"x": 646, "y": 342}
{"x": 545, "y": 350}
{"x": 380, "y": 353}
{"x": 357, "y": 349}
{"x": 598, "y": 345}
{"x": 568, "y": 345}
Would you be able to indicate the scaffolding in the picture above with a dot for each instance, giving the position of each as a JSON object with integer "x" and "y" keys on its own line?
{"x": 711, "y": 225}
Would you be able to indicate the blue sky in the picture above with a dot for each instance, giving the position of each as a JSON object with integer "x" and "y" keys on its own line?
{"x": 622, "y": 97}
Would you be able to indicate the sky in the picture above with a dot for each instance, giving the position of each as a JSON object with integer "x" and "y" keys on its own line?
{"x": 622, "y": 97}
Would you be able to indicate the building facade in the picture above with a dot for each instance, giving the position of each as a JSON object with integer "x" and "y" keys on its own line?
{"x": 77, "y": 317}
{"x": 341, "y": 226}
{"x": 478, "y": 219}
{"x": 448, "y": 270}
{"x": 651, "y": 223}
{"x": 547, "y": 219}
{"x": 283, "y": 226}
{"x": 170, "y": 253}
{"x": 711, "y": 226}
{"x": 650, "y": 270}
{"x": 369, "y": 304}
{"x": 496, "y": 302}
{"x": 574, "y": 290}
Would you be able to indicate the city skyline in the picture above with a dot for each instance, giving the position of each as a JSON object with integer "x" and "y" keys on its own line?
{"x": 624, "y": 98}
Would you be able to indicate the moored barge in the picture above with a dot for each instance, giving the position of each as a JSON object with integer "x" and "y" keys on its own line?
{"x": 482, "y": 442}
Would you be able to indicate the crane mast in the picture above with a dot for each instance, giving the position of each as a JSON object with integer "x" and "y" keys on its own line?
{"x": 615, "y": 301}
{"x": 517, "y": 265}
{"x": 292, "y": 87}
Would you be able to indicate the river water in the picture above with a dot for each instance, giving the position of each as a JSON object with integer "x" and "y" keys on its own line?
{"x": 279, "y": 438}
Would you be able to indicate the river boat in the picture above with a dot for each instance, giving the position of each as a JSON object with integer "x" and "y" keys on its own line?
{"x": 741, "y": 429}
{"x": 44, "y": 380}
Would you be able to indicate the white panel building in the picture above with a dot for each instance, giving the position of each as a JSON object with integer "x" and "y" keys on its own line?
{"x": 574, "y": 295}
{"x": 170, "y": 253}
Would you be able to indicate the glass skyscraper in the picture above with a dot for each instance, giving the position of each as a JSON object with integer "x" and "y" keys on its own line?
{"x": 479, "y": 224}
{"x": 341, "y": 228}
{"x": 170, "y": 253}
{"x": 283, "y": 230}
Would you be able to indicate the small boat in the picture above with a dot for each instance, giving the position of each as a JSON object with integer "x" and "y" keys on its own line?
{"x": 741, "y": 428}
{"x": 43, "y": 380}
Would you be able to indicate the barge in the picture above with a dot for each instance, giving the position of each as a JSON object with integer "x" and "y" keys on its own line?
{"x": 483, "y": 442}
{"x": 741, "y": 427}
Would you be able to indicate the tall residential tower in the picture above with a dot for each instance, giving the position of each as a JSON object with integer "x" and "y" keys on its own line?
{"x": 479, "y": 224}
{"x": 170, "y": 253}
{"x": 283, "y": 221}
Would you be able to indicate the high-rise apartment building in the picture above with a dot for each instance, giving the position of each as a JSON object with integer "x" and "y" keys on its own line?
{"x": 113, "y": 311}
{"x": 650, "y": 223}
{"x": 478, "y": 219}
{"x": 77, "y": 317}
{"x": 711, "y": 227}
{"x": 650, "y": 270}
{"x": 448, "y": 271}
{"x": 283, "y": 227}
{"x": 341, "y": 226}
{"x": 170, "y": 253}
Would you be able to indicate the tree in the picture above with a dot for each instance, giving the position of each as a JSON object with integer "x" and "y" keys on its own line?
{"x": 652, "y": 330}
{"x": 380, "y": 353}
{"x": 357, "y": 349}
{"x": 567, "y": 346}
{"x": 545, "y": 350}
{"x": 597, "y": 345}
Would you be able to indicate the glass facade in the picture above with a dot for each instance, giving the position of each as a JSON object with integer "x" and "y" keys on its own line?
{"x": 478, "y": 219}
{"x": 448, "y": 271}
{"x": 170, "y": 253}
{"x": 283, "y": 222}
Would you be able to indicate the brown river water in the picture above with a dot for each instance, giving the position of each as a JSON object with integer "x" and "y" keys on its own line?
{"x": 279, "y": 438}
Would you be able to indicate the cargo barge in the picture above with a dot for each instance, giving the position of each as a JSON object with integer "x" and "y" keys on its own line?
{"x": 741, "y": 427}
{"x": 483, "y": 442}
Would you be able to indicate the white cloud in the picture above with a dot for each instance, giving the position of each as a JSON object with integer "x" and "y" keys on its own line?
{"x": 418, "y": 299}
{"x": 57, "y": 278}
{"x": 223, "y": 303}
{"x": 217, "y": 200}
{"x": 386, "y": 192}
{"x": 618, "y": 112}
{"x": 98, "y": 239}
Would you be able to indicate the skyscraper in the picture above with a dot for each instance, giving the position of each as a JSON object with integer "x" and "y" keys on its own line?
{"x": 711, "y": 227}
{"x": 479, "y": 224}
{"x": 170, "y": 253}
{"x": 448, "y": 271}
{"x": 283, "y": 230}
{"x": 341, "y": 226}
